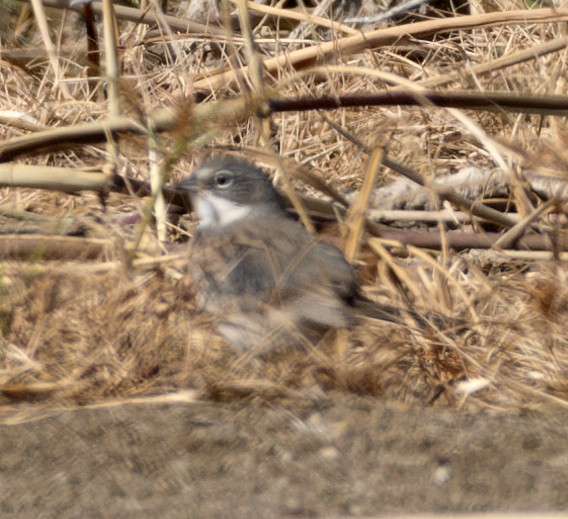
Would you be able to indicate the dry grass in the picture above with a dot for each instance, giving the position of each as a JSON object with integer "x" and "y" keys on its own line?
{"x": 78, "y": 332}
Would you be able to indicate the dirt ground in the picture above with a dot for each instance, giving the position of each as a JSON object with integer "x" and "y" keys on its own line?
{"x": 347, "y": 456}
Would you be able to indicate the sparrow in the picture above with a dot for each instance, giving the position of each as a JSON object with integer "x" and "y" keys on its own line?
{"x": 265, "y": 280}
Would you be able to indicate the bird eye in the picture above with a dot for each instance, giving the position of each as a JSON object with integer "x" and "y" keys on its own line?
{"x": 223, "y": 179}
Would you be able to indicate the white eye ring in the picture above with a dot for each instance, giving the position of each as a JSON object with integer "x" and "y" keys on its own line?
{"x": 223, "y": 179}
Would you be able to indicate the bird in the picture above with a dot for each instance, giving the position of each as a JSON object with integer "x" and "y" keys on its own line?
{"x": 265, "y": 279}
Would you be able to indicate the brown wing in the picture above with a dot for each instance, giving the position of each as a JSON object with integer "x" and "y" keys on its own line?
{"x": 273, "y": 263}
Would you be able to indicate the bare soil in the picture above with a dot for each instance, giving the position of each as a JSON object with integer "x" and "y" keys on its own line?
{"x": 349, "y": 456}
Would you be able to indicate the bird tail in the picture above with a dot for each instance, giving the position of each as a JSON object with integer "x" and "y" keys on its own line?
{"x": 398, "y": 315}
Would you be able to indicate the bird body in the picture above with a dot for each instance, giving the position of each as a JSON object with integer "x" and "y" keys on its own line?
{"x": 265, "y": 279}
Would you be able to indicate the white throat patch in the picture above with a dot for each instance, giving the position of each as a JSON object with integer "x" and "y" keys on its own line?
{"x": 216, "y": 212}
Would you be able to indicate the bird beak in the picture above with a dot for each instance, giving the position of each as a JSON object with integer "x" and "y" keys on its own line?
{"x": 189, "y": 186}
{"x": 188, "y": 189}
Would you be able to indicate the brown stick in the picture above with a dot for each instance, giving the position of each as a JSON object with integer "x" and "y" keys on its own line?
{"x": 138, "y": 16}
{"x": 490, "y": 102}
{"x": 458, "y": 240}
{"x": 309, "y": 56}
{"x": 66, "y": 248}
{"x": 166, "y": 119}
{"x": 17, "y": 247}
{"x": 44, "y": 177}
{"x": 205, "y": 115}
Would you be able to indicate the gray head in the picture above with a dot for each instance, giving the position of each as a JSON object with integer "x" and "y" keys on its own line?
{"x": 224, "y": 190}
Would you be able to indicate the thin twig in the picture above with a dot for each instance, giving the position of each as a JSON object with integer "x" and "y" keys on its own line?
{"x": 514, "y": 233}
{"x": 41, "y": 21}
{"x": 356, "y": 213}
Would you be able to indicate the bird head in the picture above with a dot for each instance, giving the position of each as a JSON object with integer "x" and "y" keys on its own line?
{"x": 226, "y": 190}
